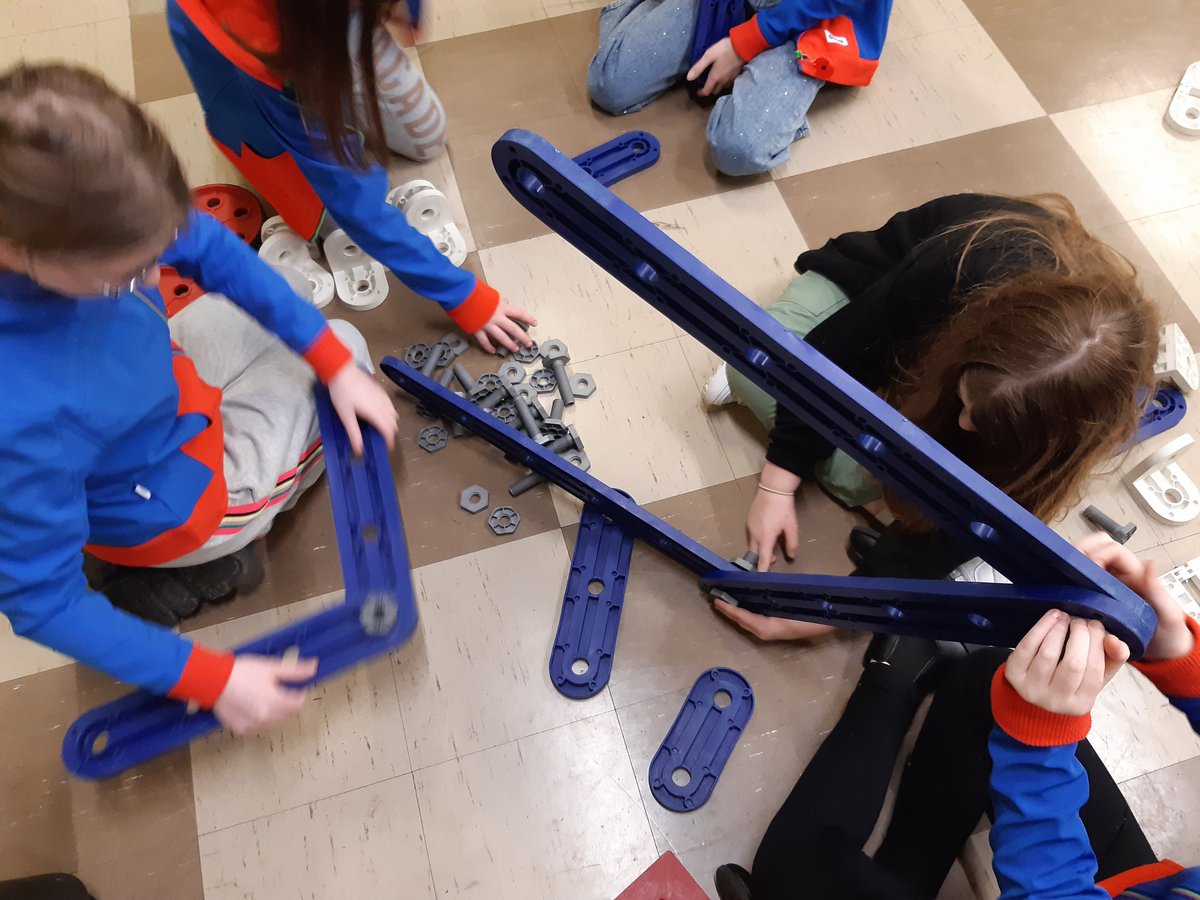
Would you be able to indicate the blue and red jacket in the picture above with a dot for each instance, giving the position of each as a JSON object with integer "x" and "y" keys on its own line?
{"x": 1041, "y": 850}
{"x": 109, "y": 439}
{"x": 257, "y": 123}
{"x": 836, "y": 40}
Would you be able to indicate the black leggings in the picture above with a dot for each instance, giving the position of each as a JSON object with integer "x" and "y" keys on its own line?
{"x": 813, "y": 847}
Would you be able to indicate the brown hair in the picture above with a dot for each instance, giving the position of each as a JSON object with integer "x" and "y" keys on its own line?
{"x": 314, "y": 56}
{"x": 82, "y": 170}
{"x": 1056, "y": 361}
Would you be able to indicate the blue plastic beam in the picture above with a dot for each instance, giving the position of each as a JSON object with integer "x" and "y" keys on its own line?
{"x": 378, "y": 615}
{"x": 623, "y": 156}
{"x": 1164, "y": 411}
{"x": 972, "y": 511}
{"x": 997, "y": 615}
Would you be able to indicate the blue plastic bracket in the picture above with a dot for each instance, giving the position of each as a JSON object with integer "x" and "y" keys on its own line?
{"x": 414, "y": 13}
{"x": 581, "y": 661}
{"x": 632, "y": 152}
{"x": 686, "y": 767}
{"x": 967, "y": 507}
{"x": 1163, "y": 412}
{"x": 714, "y": 20}
{"x": 378, "y": 615}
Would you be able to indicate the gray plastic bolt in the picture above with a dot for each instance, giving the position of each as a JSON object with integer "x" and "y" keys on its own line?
{"x": 464, "y": 377}
{"x": 555, "y": 356}
{"x": 557, "y": 409}
{"x": 436, "y": 354}
{"x": 378, "y": 614}
{"x": 457, "y": 343}
{"x": 568, "y": 444}
{"x": 1119, "y": 533}
{"x": 525, "y": 414}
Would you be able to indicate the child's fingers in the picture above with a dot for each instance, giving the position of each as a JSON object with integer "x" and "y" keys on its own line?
{"x": 484, "y": 342}
{"x": 701, "y": 64}
{"x": 1116, "y": 654}
{"x": 1072, "y": 667}
{"x": 1045, "y": 661}
{"x": 1020, "y": 659}
{"x": 297, "y": 670}
{"x": 353, "y": 432}
{"x": 791, "y": 539}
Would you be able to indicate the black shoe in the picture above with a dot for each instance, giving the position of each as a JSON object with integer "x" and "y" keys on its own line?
{"x": 733, "y": 882}
{"x": 44, "y": 887}
{"x": 155, "y": 595}
{"x": 862, "y": 541}
{"x": 919, "y": 662}
{"x": 219, "y": 580}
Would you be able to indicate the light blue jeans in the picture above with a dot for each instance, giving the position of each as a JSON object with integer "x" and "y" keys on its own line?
{"x": 643, "y": 51}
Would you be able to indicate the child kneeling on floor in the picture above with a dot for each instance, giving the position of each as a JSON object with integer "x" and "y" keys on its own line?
{"x": 163, "y": 448}
{"x": 775, "y": 63}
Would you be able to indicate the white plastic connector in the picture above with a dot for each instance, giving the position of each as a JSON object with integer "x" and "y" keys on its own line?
{"x": 1183, "y": 583}
{"x": 1183, "y": 114}
{"x": 1176, "y": 361}
{"x": 275, "y": 224}
{"x": 1160, "y": 485}
{"x": 428, "y": 211}
{"x": 284, "y": 249}
{"x": 361, "y": 281}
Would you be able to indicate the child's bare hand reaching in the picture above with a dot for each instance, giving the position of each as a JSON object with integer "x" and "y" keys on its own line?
{"x": 506, "y": 328}
{"x": 258, "y": 695}
{"x": 723, "y": 64}
{"x": 356, "y": 395}
{"x": 1062, "y": 664}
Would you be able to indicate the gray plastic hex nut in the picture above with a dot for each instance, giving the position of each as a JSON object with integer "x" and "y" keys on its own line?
{"x": 416, "y": 355}
{"x": 554, "y": 348}
{"x": 578, "y": 458}
{"x": 512, "y": 372}
{"x": 504, "y": 520}
{"x": 543, "y": 381}
{"x": 527, "y": 355}
{"x": 474, "y": 499}
{"x": 458, "y": 343}
{"x": 506, "y": 412}
{"x": 432, "y": 439}
{"x": 583, "y": 384}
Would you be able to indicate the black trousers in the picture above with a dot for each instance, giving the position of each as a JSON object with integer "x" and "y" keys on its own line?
{"x": 813, "y": 847}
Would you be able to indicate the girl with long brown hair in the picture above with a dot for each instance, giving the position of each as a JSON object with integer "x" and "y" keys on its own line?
{"x": 291, "y": 91}
{"x": 998, "y": 325}
{"x": 164, "y": 447}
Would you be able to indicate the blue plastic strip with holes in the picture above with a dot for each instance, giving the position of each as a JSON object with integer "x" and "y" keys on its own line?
{"x": 1163, "y": 412}
{"x": 582, "y": 658}
{"x": 714, "y": 20}
{"x": 975, "y": 613}
{"x": 109, "y": 739}
{"x": 628, "y": 154}
{"x": 639, "y": 255}
{"x": 701, "y": 740}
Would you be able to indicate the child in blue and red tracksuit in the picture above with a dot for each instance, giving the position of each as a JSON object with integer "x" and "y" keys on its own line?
{"x": 279, "y": 100}
{"x": 1005, "y": 736}
{"x": 775, "y": 63}
{"x": 163, "y": 447}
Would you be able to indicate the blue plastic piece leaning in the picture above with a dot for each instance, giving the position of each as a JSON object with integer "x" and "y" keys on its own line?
{"x": 1164, "y": 411}
{"x": 632, "y": 152}
{"x": 714, "y": 20}
{"x": 591, "y": 614}
{"x": 379, "y": 614}
{"x": 686, "y": 767}
{"x": 968, "y": 508}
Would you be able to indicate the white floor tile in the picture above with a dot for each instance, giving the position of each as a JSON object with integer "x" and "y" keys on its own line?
{"x": 183, "y": 121}
{"x": 1173, "y": 239}
{"x": 103, "y": 45}
{"x": 20, "y": 657}
{"x": 21, "y": 17}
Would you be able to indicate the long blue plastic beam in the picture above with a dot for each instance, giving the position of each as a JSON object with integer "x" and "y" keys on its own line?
{"x": 639, "y": 255}
{"x": 378, "y": 615}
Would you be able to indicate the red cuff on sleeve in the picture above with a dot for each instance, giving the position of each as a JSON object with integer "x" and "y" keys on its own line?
{"x": 748, "y": 40}
{"x": 1031, "y": 724}
{"x": 204, "y": 677}
{"x": 474, "y": 312}
{"x": 327, "y": 354}
{"x": 1177, "y": 677}
{"x": 1141, "y": 875}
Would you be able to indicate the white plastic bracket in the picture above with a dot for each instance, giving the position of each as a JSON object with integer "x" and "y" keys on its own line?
{"x": 1184, "y": 112}
{"x": 275, "y": 224}
{"x": 428, "y": 211}
{"x": 284, "y": 249}
{"x": 361, "y": 281}
{"x": 1176, "y": 361}
{"x": 1183, "y": 583}
{"x": 1160, "y": 485}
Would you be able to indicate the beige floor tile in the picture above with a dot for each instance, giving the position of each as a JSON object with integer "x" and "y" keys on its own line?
{"x": 1164, "y": 803}
{"x": 440, "y": 173}
{"x": 183, "y": 121}
{"x": 1146, "y": 168}
{"x": 101, "y": 45}
{"x": 928, "y": 88}
{"x": 647, "y": 399}
{"x": 575, "y": 301}
{"x": 20, "y": 657}
{"x": 158, "y": 72}
{"x": 476, "y": 675}
{"x": 457, "y": 18}
{"x": 140, "y": 7}
{"x": 1135, "y": 730}
{"x": 1173, "y": 239}
{"x": 22, "y": 17}
{"x": 564, "y": 7}
{"x": 349, "y": 734}
{"x": 796, "y": 703}
{"x": 365, "y": 843}
{"x": 923, "y": 17}
{"x": 550, "y": 816}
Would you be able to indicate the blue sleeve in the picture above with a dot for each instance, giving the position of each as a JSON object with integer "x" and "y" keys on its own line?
{"x": 1040, "y": 848}
{"x": 356, "y": 198}
{"x": 790, "y": 18}
{"x": 43, "y": 592}
{"x": 220, "y": 261}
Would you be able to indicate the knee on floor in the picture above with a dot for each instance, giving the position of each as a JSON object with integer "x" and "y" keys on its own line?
{"x": 737, "y": 154}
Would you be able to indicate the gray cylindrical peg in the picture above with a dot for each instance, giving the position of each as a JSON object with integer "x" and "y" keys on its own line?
{"x": 464, "y": 377}
{"x": 528, "y": 422}
{"x": 557, "y": 408}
